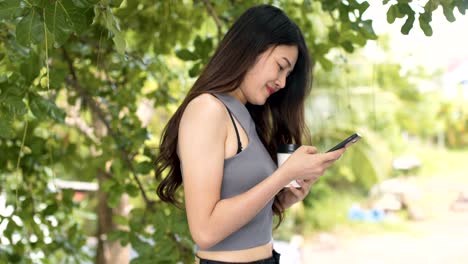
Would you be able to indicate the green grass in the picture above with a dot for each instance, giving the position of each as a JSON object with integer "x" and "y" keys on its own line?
{"x": 437, "y": 162}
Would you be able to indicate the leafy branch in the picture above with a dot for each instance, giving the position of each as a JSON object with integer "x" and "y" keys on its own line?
{"x": 216, "y": 19}
{"x": 73, "y": 82}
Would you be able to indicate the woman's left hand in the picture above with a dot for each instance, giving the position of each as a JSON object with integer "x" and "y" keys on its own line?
{"x": 292, "y": 195}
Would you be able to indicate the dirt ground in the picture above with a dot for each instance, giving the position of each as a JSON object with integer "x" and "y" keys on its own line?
{"x": 441, "y": 238}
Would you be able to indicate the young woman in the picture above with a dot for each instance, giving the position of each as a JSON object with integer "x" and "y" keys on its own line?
{"x": 221, "y": 143}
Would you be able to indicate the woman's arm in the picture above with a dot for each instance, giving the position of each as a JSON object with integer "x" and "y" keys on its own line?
{"x": 202, "y": 135}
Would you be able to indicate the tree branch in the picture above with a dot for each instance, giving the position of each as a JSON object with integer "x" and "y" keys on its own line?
{"x": 212, "y": 13}
{"x": 73, "y": 82}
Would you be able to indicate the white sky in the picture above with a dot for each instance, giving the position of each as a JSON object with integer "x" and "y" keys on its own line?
{"x": 448, "y": 43}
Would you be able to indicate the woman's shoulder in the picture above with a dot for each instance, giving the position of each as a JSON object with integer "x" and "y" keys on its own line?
{"x": 204, "y": 121}
{"x": 207, "y": 100}
{"x": 204, "y": 108}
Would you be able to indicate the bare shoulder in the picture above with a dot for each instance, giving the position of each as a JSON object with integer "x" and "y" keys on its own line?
{"x": 204, "y": 108}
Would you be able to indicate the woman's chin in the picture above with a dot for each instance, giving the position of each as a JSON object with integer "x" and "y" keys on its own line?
{"x": 261, "y": 101}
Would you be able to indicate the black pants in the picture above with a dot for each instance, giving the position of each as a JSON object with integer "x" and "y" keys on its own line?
{"x": 271, "y": 260}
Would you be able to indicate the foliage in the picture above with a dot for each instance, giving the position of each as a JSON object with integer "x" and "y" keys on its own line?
{"x": 411, "y": 11}
{"x": 73, "y": 77}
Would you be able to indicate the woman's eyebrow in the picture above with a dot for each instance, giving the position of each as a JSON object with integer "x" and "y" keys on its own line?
{"x": 287, "y": 61}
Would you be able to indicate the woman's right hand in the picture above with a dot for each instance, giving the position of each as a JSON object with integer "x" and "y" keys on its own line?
{"x": 306, "y": 164}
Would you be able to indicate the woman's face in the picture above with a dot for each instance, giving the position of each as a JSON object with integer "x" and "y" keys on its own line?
{"x": 268, "y": 74}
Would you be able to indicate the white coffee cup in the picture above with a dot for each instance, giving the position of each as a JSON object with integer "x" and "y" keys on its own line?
{"x": 283, "y": 153}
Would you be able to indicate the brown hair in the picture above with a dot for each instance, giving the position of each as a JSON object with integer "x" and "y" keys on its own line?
{"x": 280, "y": 119}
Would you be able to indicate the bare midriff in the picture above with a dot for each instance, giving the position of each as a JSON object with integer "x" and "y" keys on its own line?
{"x": 244, "y": 255}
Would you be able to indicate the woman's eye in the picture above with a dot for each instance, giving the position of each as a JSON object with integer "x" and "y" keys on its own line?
{"x": 280, "y": 67}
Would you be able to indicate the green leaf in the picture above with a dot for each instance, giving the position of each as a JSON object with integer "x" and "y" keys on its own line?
{"x": 333, "y": 34}
{"x": 119, "y": 41}
{"x": 195, "y": 70}
{"x": 144, "y": 167}
{"x": 321, "y": 48}
{"x": 367, "y": 30}
{"x": 207, "y": 48}
{"x": 39, "y": 3}
{"x": 15, "y": 105}
{"x": 132, "y": 190}
{"x": 392, "y": 14}
{"x": 115, "y": 3}
{"x": 462, "y": 6}
{"x": 363, "y": 7}
{"x": 30, "y": 67}
{"x": 30, "y": 29}
{"x": 113, "y": 199}
{"x": 405, "y": 29}
{"x": 431, "y": 6}
{"x": 425, "y": 26}
{"x": 136, "y": 219}
{"x": 326, "y": 64}
{"x": 57, "y": 77}
{"x": 107, "y": 185}
{"x": 8, "y": 8}
{"x": 198, "y": 43}
{"x": 79, "y": 17}
{"x": 404, "y": 9}
{"x": 120, "y": 220}
{"x": 58, "y": 23}
{"x": 448, "y": 12}
{"x": 113, "y": 26}
{"x": 329, "y": 5}
{"x": 6, "y": 127}
{"x": 12, "y": 88}
{"x": 51, "y": 209}
{"x": 117, "y": 235}
{"x": 186, "y": 55}
{"x": 348, "y": 46}
{"x": 43, "y": 108}
{"x": 85, "y": 3}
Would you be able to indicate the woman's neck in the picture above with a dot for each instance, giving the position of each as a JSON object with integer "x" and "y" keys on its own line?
{"x": 239, "y": 95}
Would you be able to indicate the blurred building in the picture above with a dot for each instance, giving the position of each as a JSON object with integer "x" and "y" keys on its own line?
{"x": 455, "y": 80}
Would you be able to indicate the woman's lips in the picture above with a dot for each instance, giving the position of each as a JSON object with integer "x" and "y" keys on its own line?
{"x": 270, "y": 90}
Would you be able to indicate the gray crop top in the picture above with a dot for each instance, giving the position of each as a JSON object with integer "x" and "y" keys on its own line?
{"x": 242, "y": 172}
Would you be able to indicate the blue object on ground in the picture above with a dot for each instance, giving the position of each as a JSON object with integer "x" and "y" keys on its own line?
{"x": 356, "y": 213}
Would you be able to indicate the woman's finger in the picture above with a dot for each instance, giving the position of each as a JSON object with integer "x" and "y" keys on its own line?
{"x": 308, "y": 182}
{"x": 306, "y": 187}
{"x": 297, "y": 192}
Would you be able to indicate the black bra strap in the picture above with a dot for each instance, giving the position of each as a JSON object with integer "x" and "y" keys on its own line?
{"x": 239, "y": 143}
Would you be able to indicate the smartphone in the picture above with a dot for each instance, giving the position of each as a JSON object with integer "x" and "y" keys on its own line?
{"x": 350, "y": 140}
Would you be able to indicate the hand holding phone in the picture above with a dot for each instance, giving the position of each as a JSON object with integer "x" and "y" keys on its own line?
{"x": 347, "y": 142}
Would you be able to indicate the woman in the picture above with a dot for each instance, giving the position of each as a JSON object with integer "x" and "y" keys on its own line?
{"x": 221, "y": 143}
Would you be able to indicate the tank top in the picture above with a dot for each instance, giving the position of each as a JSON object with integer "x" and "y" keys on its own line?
{"x": 242, "y": 172}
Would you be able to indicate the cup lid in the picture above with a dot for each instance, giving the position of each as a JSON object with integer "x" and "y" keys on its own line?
{"x": 287, "y": 148}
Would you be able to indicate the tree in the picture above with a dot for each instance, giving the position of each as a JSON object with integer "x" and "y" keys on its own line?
{"x": 73, "y": 74}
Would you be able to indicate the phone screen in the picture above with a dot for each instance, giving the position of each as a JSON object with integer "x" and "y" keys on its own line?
{"x": 350, "y": 140}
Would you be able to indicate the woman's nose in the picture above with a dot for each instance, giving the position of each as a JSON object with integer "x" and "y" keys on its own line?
{"x": 281, "y": 81}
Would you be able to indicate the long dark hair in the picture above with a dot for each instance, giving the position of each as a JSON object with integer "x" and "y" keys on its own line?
{"x": 279, "y": 120}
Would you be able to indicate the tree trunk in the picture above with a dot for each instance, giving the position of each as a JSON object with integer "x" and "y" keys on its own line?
{"x": 110, "y": 252}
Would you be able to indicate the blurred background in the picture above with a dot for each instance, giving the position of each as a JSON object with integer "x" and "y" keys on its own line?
{"x": 86, "y": 87}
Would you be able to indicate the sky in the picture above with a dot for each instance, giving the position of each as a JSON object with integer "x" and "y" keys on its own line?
{"x": 447, "y": 45}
